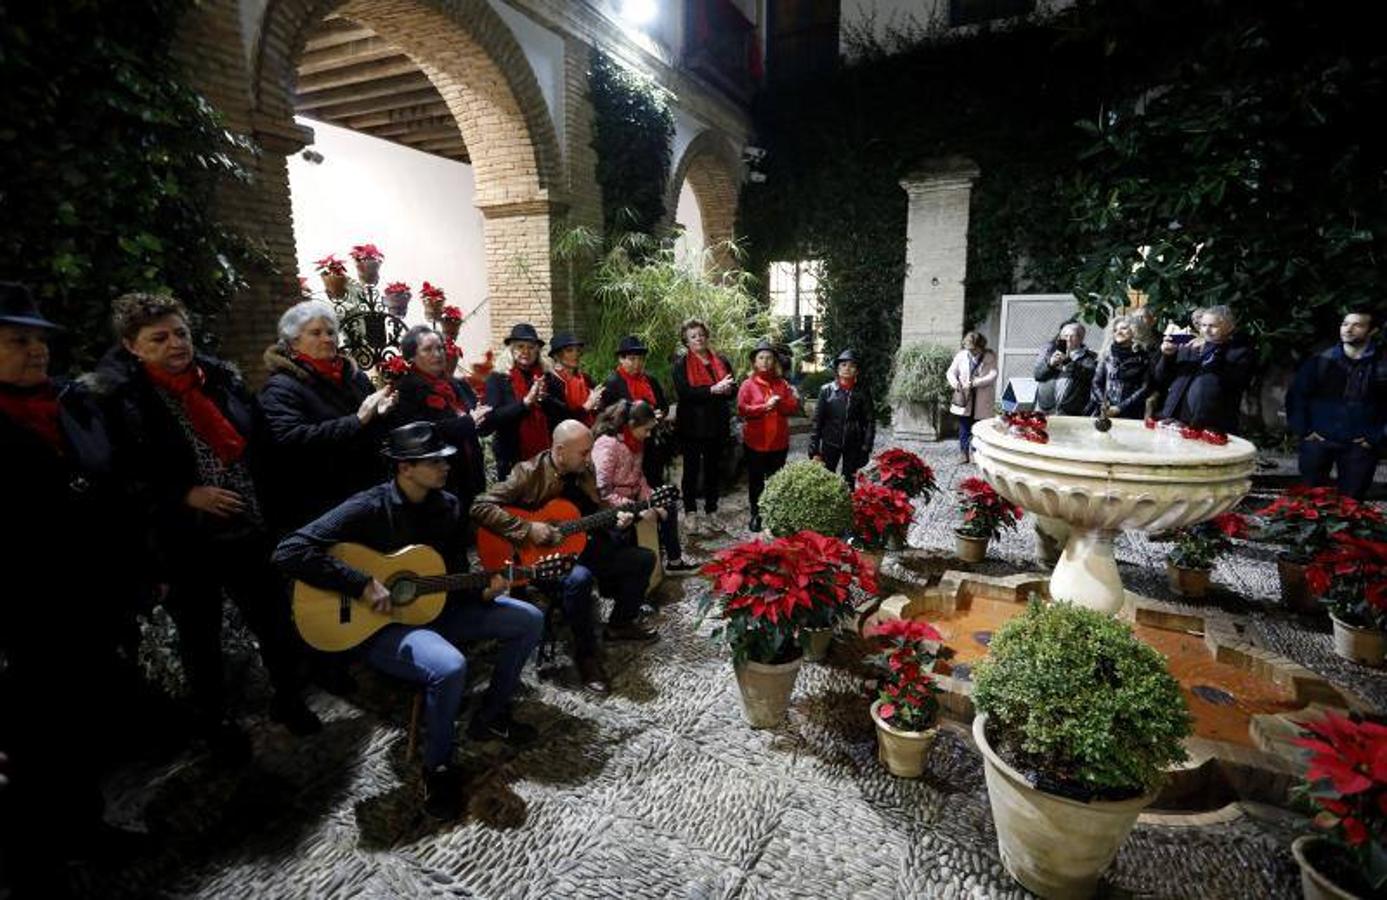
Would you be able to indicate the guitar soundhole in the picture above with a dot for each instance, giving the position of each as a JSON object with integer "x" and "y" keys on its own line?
{"x": 403, "y": 590}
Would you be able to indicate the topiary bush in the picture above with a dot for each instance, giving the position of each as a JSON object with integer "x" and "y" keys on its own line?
{"x": 804, "y": 496}
{"x": 1079, "y": 705}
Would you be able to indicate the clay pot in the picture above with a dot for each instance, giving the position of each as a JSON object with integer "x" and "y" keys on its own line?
{"x": 1314, "y": 884}
{"x": 335, "y": 285}
{"x": 450, "y": 327}
{"x": 970, "y": 549}
{"x": 1187, "y": 582}
{"x": 766, "y": 689}
{"x": 903, "y": 753}
{"x": 433, "y": 308}
{"x": 1295, "y": 592}
{"x": 1365, "y": 646}
{"x": 397, "y": 303}
{"x": 895, "y": 540}
{"x": 816, "y": 643}
{"x": 368, "y": 270}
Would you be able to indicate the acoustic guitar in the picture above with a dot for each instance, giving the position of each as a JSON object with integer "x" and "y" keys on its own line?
{"x": 418, "y": 582}
{"x": 495, "y": 551}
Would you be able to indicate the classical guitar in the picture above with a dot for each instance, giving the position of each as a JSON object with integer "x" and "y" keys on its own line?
{"x": 418, "y": 583}
{"x": 495, "y": 551}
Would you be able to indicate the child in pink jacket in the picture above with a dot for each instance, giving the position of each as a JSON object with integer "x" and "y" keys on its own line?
{"x": 621, "y": 430}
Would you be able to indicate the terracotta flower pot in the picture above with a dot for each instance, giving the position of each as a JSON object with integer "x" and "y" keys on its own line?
{"x": 895, "y": 540}
{"x": 397, "y": 303}
{"x": 766, "y": 689}
{"x": 433, "y": 307}
{"x": 970, "y": 549}
{"x": 1365, "y": 646}
{"x": 368, "y": 270}
{"x": 817, "y": 641}
{"x": 1187, "y": 582}
{"x": 451, "y": 327}
{"x": 335, "y": 285}
{"x": 1295, "y": 592}
{"x": 903, "y": 753}
{"x": 1314, "y": 884}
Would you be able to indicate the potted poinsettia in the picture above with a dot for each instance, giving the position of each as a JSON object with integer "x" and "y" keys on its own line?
{"x": 1190, "y": 562}
{"x": 397, "y": 297}
{"x": 334, "y": 274}
{"x": 434, "y": 299}
{"x": 1347, "y": 787}
{"x": 764, "y": 593}
{"x": 1304, "y": 520}
{"x": 904, "y": 471}
{"x": 880, "y": 515}
{"x": 368, "y": 259}
{"x": 1350, "y": 578}
{"x": 393, "y": 368}
{"x": 906, "y": 708}
{"x": 451, "y": 321}
{"x": 986, "y": 514}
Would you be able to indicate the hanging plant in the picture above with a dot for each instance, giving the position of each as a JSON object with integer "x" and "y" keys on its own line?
{"x": 633, "y": 134}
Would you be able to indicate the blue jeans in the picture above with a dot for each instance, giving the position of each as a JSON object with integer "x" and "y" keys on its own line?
{"x": 428, "y": 656}
{"x": 1356, "y": 466}
{"x": 965, "y": 434}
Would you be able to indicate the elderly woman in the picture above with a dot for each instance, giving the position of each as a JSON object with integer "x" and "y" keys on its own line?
{"x": 765, "y": 402}
{"x": 569, "y": 392}
{"x": 428, "y": 392}
{"x": 1122, "y": 381}
{"x": 1204, "y": 380}
{"x": 621, "y": 432}
{"x": 972, "y": 377}
{"x": 187, "y": 429}
{"x": 844, "y": 422}
{"x": 705, "y": 387}
{"x": 516, "y": 398}
{"x": 325, "y": 420}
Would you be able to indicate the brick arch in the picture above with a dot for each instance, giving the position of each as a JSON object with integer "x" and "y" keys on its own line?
{"x": 711, "y": 166}
{"x": 473, "y": 59}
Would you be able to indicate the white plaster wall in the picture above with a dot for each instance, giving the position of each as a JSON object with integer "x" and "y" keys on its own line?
{"x": 686, "y": 128}
{"x": 543, "y": 50}
{"x": 689, "y": 247}
{"x": 417, "y": 208}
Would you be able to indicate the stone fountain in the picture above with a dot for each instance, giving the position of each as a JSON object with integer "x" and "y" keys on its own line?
{"x": 1128, "y": 478}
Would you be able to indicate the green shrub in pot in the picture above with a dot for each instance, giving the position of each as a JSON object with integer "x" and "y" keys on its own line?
{"x": 805, "y": 496}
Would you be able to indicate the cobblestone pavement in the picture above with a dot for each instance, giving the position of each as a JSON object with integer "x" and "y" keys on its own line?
{"x": 660, "y": 790}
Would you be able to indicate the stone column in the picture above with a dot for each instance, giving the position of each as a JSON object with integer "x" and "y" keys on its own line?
{"x": 936, "y": 250}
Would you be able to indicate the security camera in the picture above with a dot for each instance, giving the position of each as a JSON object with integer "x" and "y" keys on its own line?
{"x": 312, "y": 156}
{"x": 753, "y": 154}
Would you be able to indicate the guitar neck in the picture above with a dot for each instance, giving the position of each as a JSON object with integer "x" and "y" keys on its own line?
{"x": 464, "y": 581}
{"x": 601, "y": 519}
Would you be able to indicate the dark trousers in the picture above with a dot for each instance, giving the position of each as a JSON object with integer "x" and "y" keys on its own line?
{"x": 1356, "y": 466}
{"x": 852, "y": 461}
{"x": 702, "y": 472}
{"x": 760, "y": 465}
{"x": 621, "y": 570}
{"x": 965, "y": 434}
{"x": 669, "y": 534}
{"x": 242, "y": 569}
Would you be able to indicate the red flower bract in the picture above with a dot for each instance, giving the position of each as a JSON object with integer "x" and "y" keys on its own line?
{"x": 1347, "y": 777}
{"x": 366, "y": 251}
{"x": 877, "y": 510}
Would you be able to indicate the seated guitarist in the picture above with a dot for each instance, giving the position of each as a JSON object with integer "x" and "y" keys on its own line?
{"x": 565, "y": 470}
{"x": 413, "y": 508}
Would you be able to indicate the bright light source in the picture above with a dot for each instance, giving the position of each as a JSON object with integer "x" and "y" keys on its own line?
{"x": 639, "y": 12}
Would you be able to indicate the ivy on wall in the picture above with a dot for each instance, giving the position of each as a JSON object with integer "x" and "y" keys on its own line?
{"x": 108, "y": 164}
{"x": 633, "y": 134}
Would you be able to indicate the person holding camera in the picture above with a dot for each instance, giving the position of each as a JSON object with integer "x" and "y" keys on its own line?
{"x": 1204, "y": 379}
{"x": 1064, "y": 372}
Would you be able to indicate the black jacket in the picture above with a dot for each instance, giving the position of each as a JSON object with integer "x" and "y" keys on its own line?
{"x": 658, "y": 447}
{"x": 703, "y": 415}
{"x": 1123, "y": 380}
{"x": 614, "y": 389}
{"x": 843, "y": 419}
{"x": 318, "y": 452}
{"x": 503, "y": 422}
{"x": 555, "y": 405}
{"x": 467, "y": 474}
{"x": 1064, "y": 389}
{"x": 1206, "y": 390}
{"x": 1341, "y": 399}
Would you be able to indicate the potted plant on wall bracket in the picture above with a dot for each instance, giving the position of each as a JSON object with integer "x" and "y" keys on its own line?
{"x": 906, "y": 706}
{"x": 397, "y": 296}
{"x": 1350, "y": 577}
{"x": 986, "y": 514}
{"x": 334, "y": 274}
{"x": 1191, "y": 561}
{"x": 1077, "y": 722}
{"x": 1304, "y": 520}
{"x": 919, "y": 391}
{"x": 434, "y": 299}
{"x": 764, "y": 593}
{"x": 368, "y": 259}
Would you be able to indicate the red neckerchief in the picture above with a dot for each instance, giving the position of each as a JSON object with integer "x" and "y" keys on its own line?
{"x": 637, "y": 386}
{"x": 332, "y": 369}
{"x": 534, "y": 427}
{"x": 441, "y": 387}
{"x": 847, "y": 384}
{"x": 36, "y": 409}
{"x": 698, "y": 372}
{"x": 575, "y": 392}
{"x": 204, "y": 415}
{"x": 633, "y": 443}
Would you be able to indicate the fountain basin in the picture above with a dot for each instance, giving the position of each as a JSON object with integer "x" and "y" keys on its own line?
{"x": 1102, "y": 483}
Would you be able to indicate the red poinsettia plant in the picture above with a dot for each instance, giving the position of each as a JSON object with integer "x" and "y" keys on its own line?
{"x": 393, "y": 368}
{"x": 1347, "y": 785}
{"x": 879, "y": 512}
{"x": 903, "y": 650}
{"x": 330, "y": 265}
{"x": 1306, "y": 519}
{"x": 986, "y": 513}
{"x": 366, "y": 251}
{"x": 453, "y": 353}
{"x": 397, "y": 287}
{"x": 902, "y": 470}
{"x": 767, "y": 592}
{"x": 1350, "y": 577}
{"x": 1200, "y": 545}
{"x": 430, "y": 292}
{"x": 451, "y": 314}
{"x": 1029, "y": 425}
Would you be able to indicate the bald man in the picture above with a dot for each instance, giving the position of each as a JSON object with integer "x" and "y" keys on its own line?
{"x": 565, "y": 470}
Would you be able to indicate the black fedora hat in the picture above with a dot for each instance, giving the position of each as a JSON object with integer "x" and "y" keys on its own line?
{"x": 763, "y": 344}
{"x": 564, "y": 340}
{"x": 847, "y": 355}
{"x": 630, "y": 345}
{"x": 523, "y": 332}
{"x": 417, "y": 440}
{"x": 17, "y": 307}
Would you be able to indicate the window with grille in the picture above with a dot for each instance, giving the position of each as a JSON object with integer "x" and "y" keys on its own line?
{"x": 794, "y": 294}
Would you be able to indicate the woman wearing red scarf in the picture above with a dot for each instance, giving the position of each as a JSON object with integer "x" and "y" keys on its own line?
{"x": 188, "y": 429}
{"x": 844, "y": 421}
{"x": 764, "y": 402}
{"x": 516, "y": 398}
{"x": 569, "y": 392}
{"x": 704, "y": 384}
{"x": 429, "y": 392}
{"x": 324, "y": 417}
{"x": 630, "y": 383}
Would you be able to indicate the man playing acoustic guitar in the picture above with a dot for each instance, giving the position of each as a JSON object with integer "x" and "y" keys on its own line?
{"x": 565, "y": 470}
{"x": 413, "y": 508}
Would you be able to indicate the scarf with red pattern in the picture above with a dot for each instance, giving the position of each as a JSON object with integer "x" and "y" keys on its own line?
{"x": 704, "y": 373}
{"x": 442, "y": 395}
{"x": 633, "y": 443}
{"x": 575, "y": 393}
{"x": 204, "y": 415}
{"x": 332, "y": 369}
{"x": 36, "y": 409}
{"x": 637, "y": 386}
{"x": 534, "y": 427}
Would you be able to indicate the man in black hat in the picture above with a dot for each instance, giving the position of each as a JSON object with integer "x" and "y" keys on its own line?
{"x": 413, "y": 508}
{"x": 844, "y": 424}
{"x": 629, "y": 382}
{"x": 568, "y": 391}
{"x": 516, "y": 397}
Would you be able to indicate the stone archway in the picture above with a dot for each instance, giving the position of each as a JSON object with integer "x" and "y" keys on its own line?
{"x": 479, "y": 69}
{"x": 712, "y": 169}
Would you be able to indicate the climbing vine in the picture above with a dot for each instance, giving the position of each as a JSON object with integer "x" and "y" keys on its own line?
{"x": 633, "y": 134}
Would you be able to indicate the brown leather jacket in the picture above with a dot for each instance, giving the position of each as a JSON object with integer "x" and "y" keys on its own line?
{"x": 531, "y": 484}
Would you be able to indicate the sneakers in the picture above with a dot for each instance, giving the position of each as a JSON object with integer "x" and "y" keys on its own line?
{"x": 593, "y": 676}
{"x": 443, "y": 793}
{"x": 630, "y": 631}
{"x": 502, "y": 728}
{"x": 294, "y": 714}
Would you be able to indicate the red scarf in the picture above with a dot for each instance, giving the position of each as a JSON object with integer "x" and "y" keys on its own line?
{"x": 697, "y": 370}
{"x": 440, "y": 387}
{"x": 332, "y": 369}
{"x": 637, "y": 386}
{"x": 575, "y": 393}
{"x": 37, "y": 410}
{"x": 633, "y": 443}
{"x": 534, "y": 427}
{"x": 207, "y": 420}
{"x": 847, "y": 384}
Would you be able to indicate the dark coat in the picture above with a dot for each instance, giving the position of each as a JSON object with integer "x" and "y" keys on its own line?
{"x": 703, "y": 415}
{"x": 467, "y": 474}
{"x": 1206, "y": 391}
{"x": 318, "y": 452}
{"x": 1064, "y": 390}
{"x": 843, "y": 420}
{"x": 503, "y": 422}
{"x": 555, "y": 407}
{"x": 1123, "y": 380}
{"x": 614, "y": 389}
{"x": 1341, "y": 399}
